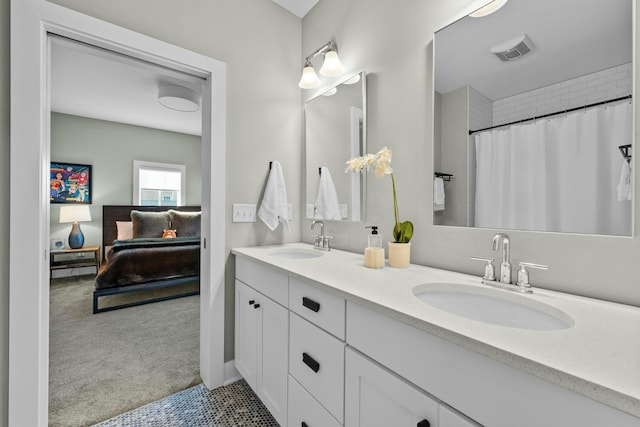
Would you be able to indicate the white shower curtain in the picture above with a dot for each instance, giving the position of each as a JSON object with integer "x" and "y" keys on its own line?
{"x": 556, "y": 174}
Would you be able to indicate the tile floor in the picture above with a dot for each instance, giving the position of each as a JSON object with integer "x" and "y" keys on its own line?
{"x": 234, "y": 405}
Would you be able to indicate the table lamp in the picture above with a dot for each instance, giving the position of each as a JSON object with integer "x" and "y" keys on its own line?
{"x": 75, "y": 214}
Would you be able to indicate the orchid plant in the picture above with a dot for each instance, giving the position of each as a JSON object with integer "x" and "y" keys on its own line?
{"x": 381, "y": 165}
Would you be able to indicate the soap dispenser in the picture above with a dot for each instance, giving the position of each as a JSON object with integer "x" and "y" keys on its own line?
{"x": 374, "y": 253}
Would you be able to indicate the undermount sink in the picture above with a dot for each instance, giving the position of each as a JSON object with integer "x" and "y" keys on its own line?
{"x": 299, "y": 253}
{"x": 491, "y": 306}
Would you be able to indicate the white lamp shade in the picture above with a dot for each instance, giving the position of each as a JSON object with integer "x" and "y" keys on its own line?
{"x": 331, "y": 65}
{"x": 75, "y": 213}
{"x": 309, "y": 79}
{"x": 178, "y": 98}
{"x": 488, "y": 9}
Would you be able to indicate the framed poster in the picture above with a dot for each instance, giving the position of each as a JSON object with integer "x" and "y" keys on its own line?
{"x": 70, "y": 183}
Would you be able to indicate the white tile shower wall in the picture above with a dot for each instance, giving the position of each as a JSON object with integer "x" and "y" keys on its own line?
{"x": 480, "y": 110}
{"x": 595, "y": 87}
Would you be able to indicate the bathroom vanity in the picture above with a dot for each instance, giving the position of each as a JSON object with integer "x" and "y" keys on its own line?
{"x": 324, "y": 341}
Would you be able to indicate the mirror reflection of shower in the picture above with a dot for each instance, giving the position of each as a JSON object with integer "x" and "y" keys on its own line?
{"x": 529, "y": 124}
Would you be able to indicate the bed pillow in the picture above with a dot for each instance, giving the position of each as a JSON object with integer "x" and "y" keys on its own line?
{"x": 125, "y": 230}
{"x": 186, "y": 224}
{"x": 149, "y": 224}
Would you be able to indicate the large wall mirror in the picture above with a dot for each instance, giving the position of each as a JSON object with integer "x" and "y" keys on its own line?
{"x": 335, "y": 127}
{"x": 534, "y": 118}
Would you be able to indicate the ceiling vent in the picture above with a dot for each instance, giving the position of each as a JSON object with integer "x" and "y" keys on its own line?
{"x": 513, "y": 49}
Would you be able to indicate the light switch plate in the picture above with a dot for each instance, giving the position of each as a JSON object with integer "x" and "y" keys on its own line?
{"x": 244, "y": 213}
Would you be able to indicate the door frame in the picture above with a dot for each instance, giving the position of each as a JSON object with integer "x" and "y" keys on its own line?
{"x": 31, "y": 21}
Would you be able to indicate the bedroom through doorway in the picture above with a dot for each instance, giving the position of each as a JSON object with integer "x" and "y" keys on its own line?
{"x": 105, "y": 112}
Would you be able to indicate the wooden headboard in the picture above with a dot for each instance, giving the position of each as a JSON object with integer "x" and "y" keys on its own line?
{"x": 113, "y": 213}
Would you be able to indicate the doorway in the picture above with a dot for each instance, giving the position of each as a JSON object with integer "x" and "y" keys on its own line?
{"x": 32, "y": 21}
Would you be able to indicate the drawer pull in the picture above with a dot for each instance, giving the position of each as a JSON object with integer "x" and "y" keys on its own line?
{"x": 311, "y": 304}
{"x": 310, "y": 362}
{"x": 256, "y": 305}
{"x": 251, "y": 302}
{"x": 424, "y": 423}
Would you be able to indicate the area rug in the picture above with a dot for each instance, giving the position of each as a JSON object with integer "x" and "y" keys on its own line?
{"x": 102, "y": 365}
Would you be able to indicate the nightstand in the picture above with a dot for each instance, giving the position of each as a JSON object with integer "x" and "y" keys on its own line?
{"x": 88, "y": 256}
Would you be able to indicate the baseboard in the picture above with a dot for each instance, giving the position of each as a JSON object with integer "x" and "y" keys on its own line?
{"x": 231, "y": 374}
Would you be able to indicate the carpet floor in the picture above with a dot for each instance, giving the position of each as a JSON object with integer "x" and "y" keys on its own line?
{"x": 102, "y": 365}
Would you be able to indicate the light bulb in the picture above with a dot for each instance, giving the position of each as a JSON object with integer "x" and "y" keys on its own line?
{"x": 332, "y": 65}
{"x": 309, "y": 79}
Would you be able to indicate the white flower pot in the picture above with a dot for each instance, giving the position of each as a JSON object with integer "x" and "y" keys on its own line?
{"x": 399, "y": 254}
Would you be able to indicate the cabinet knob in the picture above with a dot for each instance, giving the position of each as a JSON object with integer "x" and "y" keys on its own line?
{"x": 251, "y": 302}
{"x": 310, "y": 362}
{"x": 256, "y": 305}
{"x": 424, "y": 423}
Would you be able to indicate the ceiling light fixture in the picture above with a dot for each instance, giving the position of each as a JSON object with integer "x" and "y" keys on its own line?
{"x": 331, "y": 66}
{"x": 178, "y": 98}
{"x": 488, "y": 9}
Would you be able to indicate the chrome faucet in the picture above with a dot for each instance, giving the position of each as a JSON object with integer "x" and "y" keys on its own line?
{"x": 321, "y": 241}
{"x": 505, "y": 266}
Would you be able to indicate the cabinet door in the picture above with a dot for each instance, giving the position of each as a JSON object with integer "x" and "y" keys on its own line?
{"x": 273, "y": 357}
{"x": 451, "y": 418}
{"x": 374, "y": 397}
{"x": 246, "y": 333}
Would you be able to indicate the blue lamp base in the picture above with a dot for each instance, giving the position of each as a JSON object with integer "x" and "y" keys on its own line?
{"x": 76, "y": 238}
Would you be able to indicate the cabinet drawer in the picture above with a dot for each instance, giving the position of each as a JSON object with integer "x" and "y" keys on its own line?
{"x": 304, "y": 410}
{"x": 377, "y": 398}
{"x": 316, "y": 360}
{"x": 268, "y": 281}
{"x": 317, "y": 306}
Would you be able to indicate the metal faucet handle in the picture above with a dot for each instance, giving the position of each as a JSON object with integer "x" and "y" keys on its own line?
{"x": 489, "y": 271}
{"x": 523, "y": 274}
{"x": 326, "y": 243}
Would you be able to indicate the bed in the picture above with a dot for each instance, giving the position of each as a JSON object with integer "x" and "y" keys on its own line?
{"x": 136, "y": 257}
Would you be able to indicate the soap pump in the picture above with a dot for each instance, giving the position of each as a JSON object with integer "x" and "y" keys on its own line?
{"x": 374, "y": 253}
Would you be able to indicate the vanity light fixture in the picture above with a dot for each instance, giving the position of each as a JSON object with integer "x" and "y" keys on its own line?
{"x": 330, "y": 92}
{"x": 488, "y": 9}
{"x": 353, "y": 80}
{"x": 331, "y": 66}
{"x": 178, "y": 98}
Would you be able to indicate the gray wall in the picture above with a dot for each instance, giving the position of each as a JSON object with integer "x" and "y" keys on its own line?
{"x": 4, "y": 210}
{"x": 453, "y": 151}
{"x": 393, "y": 42}
{"x": 260, "y": 44}
{"x": 111, "y": 148}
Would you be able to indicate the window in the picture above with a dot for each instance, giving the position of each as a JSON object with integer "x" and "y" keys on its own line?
{"x": 158, "y": 184}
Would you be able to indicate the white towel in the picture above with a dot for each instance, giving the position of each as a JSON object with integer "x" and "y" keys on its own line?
{"x": 274, "y": 208}
{"x": 327, "y": 206}
{"x": 438, "y": 194}
{"x": 624, "y": 184}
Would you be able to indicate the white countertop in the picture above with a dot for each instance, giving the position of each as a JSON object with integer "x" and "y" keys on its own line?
{"x": 598, "y": 357}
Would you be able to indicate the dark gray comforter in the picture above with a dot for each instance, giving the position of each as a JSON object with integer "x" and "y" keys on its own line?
{"x": 137, "y": 261}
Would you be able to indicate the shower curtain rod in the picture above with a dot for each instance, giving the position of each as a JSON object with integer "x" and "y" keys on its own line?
{"x": 471, "y": 132}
